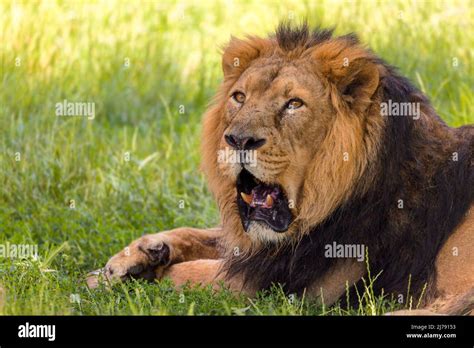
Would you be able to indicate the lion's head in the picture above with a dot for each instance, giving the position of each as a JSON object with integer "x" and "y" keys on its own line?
{"x": 291, "y": 131}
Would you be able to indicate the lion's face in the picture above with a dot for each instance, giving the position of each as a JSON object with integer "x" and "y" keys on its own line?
{"x": 276, "y": 115}
{"x": 279, "y": 151}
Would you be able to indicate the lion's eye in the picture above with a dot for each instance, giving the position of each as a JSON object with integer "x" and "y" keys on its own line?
{"x": 294, "y": 103}
{"x": 239, "y": 97}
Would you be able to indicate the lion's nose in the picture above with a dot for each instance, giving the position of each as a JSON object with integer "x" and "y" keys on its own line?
{"x": 243, "y": 143}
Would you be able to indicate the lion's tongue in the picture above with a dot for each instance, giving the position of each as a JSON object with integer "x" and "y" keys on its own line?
{"x": 261, "y": 196}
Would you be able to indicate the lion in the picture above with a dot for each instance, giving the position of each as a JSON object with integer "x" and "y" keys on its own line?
{"x": 333, "y": 149}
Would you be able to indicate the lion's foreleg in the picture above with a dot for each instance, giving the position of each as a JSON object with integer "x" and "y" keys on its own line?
{"x": 203, "y": 273}
{"x": 148, "y": 256}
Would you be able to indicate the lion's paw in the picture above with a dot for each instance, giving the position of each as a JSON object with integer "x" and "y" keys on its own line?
{"x": 145, "y": 258}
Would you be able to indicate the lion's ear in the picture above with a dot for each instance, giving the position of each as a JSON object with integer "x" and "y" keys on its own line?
{"x": 351, "y": 69}
{"x": 240, "y": 53}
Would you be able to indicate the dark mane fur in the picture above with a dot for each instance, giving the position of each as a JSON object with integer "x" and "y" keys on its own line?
{"x": 289, "y": 37}
{"x": 413, "y": 165}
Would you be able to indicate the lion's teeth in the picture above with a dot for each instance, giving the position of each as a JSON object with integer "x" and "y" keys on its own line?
{"x": 269, "y": 201}
{"x": 247, "y": 198}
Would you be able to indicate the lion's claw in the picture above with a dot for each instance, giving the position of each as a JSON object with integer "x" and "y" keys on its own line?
{"x": 94, "y": 278}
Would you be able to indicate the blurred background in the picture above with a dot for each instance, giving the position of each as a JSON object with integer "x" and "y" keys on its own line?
{"x": 82, "y": 189}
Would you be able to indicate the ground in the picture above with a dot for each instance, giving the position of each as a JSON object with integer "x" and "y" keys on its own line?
{"x": 81, "y": 189}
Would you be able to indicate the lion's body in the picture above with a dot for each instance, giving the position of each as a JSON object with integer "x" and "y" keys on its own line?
{"x": 401, "y": 186}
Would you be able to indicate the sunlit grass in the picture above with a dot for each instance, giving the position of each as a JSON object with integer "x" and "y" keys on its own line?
{"x": 141, "y": 63}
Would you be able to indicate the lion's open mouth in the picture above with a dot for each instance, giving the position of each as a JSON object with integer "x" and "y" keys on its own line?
{"x": 262, "y": 202}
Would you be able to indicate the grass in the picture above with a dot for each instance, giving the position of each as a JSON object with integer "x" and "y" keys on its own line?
{"x": 51, "y": 51}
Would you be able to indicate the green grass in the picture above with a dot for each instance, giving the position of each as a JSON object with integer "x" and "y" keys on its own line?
{"x": 77, "y": 52}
